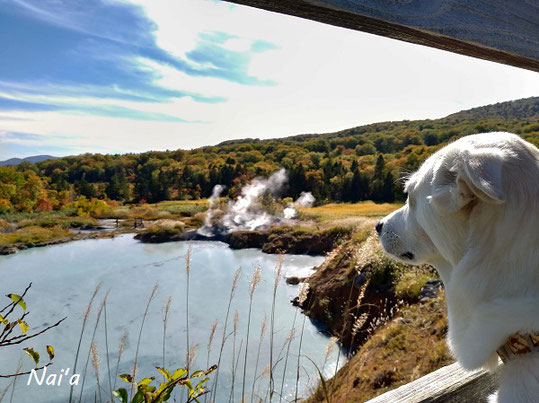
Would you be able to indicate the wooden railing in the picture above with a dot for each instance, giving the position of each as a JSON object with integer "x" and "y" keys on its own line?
{"x": 448, "y": 384}
{"x": 503, "y": 31}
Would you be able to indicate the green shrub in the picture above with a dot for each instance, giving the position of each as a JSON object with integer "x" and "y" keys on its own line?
{"x": 410, "y": 282}
{"x": 170, "y": 227}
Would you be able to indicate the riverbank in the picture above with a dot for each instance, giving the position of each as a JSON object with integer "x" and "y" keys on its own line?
{"x": 302, "y": 240}
{"x": 389, "y": 317}
{"x": 404, "y": 349}
{"x": 65, "y": 238}
{"x": 316, "y": 231}
{"x": 20, "y": 231}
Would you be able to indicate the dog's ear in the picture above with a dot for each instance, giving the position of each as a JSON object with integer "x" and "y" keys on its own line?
{"x": 473, "y": 175}
{"x": 479, "y": 172}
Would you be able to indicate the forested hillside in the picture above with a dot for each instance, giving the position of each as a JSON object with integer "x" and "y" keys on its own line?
{"x": 362, "y": 163}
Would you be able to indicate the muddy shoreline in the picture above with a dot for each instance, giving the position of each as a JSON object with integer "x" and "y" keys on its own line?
{"x": 278, "y": 239}
{"x": 90, "y": 233}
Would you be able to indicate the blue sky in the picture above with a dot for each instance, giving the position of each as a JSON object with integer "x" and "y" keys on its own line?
{"x": 128, "y": 76}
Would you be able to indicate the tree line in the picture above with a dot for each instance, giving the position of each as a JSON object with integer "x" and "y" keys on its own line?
{"x": 362, "y": 163}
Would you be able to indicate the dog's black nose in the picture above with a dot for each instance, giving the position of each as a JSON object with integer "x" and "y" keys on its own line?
{"x": 379, "y": 227}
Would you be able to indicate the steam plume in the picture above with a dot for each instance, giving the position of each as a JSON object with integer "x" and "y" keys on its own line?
{"x": 246, "y": 213}
{"x": 206, "y": 229}
{"x": 305, "y": 199}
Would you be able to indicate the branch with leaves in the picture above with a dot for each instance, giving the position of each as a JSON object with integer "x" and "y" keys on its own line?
{"x": 8, "y": 338}
{"x": 151, "y": 394}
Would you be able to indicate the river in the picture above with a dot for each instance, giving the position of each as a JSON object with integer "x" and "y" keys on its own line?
{"x": 64, "y": 277}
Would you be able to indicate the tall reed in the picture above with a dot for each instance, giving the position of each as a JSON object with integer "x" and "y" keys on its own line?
{"x": 187, "y": 273}
{"x": 261, "y": 339}
{"x": 225, "y": 336}
{"x": 289, "y": 340}
{"x": 107, "y": 351}
{"x": 84, "y": 321}
{"x": 95, "y": 364}
{"x": 134, "y": 381}
{"x": 358, "y": 321}
{"x": 120, "y": 352}
{"x": 303, "y": 292}
{"x": 13, "y": 384}
{"x": 344, "y": 323}
{"x": 166, "y": 311}
{"x": 3, "y": 393}
{"x": 278, "y": 272}
{"x": 264, "y": 374}
{"x": 234, "y": 332}
{"x": 192, "y": 352}
{"x": 99, "y": 312}
{"x": 255, "y": 280}
{"x": 209, "y": 347}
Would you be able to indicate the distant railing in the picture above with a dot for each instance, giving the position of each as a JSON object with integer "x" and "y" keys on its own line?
{"x": 448, "y": 384}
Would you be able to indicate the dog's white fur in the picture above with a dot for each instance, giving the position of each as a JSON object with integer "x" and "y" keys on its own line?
{"x": 473, "y": 213}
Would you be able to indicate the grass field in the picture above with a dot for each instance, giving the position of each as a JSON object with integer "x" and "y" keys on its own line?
{"x": 335, "y": 211}
{"x": 32, "y": 234}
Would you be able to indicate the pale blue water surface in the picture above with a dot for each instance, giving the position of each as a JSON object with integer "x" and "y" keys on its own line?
{"x": 64, "y": 277}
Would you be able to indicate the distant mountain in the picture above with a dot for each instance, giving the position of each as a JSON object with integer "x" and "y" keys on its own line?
{"x": 33, "y": 159}
{"x": 519, "y": 109}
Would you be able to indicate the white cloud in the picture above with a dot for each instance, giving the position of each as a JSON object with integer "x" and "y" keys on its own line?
{"x": 328, "y": 79}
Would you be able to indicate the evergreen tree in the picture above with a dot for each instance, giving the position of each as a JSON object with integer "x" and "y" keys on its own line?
{"x": 118, "y": 188}
{"x": 297, "y": 181}
{"x": 85, "y": 188}
{"x": 387, "y": 188}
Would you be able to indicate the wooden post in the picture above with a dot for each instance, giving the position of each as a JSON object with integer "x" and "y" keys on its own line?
{"x": 503, "y": 31}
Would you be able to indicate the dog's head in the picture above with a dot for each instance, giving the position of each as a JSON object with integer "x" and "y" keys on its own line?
{"x": 467, "y": 176}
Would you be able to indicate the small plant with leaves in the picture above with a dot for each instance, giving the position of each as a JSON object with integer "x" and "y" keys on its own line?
{"x": 9, "y": 336}
{"x": 148, "y": 393}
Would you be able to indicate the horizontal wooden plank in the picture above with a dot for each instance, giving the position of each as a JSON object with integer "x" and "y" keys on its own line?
{"x": 504, "y": 31}
{"x": 447, "y": 384}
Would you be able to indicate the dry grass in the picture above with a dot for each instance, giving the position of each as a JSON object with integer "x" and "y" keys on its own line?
{"x": 166, "y": 226}
{"x": 406, "y": 348}
{"x": 335, "y": 211}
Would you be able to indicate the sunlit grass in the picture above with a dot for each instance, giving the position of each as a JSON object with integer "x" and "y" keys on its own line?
{"x": 185, "y": 207}
{"x": 32, "y": 234}
{"x": 334, "y": 211}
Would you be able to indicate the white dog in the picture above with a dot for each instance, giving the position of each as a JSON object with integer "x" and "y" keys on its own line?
{"x": 473, "y": 213}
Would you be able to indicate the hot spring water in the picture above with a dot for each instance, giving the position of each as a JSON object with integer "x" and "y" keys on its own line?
{"x": 64, "y": 278}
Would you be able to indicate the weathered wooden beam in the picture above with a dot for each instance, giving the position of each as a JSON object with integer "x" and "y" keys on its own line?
{"x": 504, "y": 31}
{"x": 448, "y": 384}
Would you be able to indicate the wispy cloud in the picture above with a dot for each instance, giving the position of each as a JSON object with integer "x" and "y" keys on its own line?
{"x": 22, "y": 145}
{"x": 10, "y": 104}
{"x": 91, "y": 58}
{"x": 133, "y": 75}
{"x": 125, "y": 113}
{"x": 215, "y": 60}
{"x": 98, "y": 42}
{"x": 75, "y": 106}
